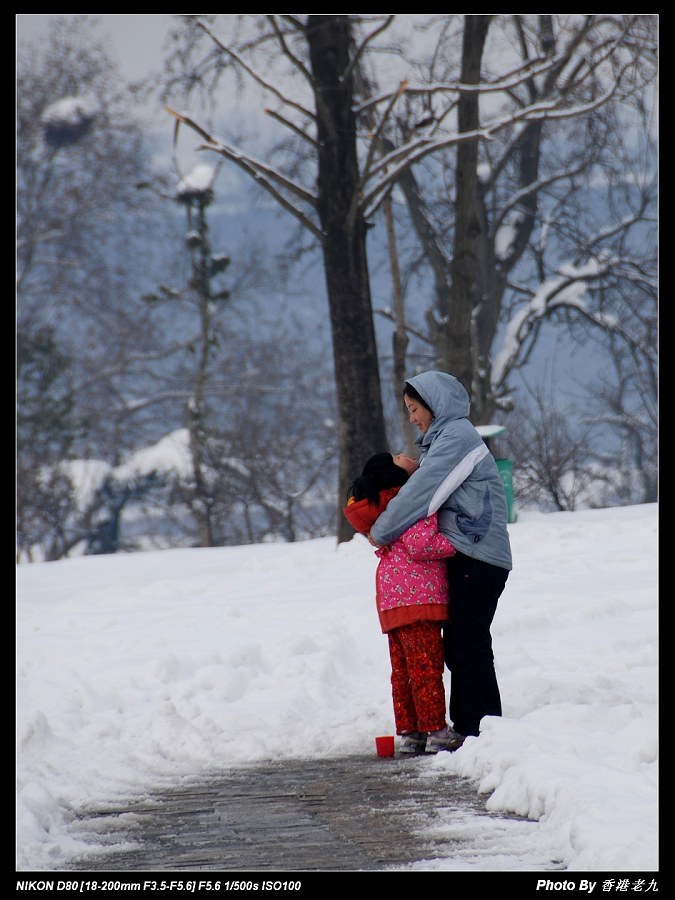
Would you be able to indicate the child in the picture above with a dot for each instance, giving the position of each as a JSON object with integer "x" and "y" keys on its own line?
{"x": 412, "y": 603}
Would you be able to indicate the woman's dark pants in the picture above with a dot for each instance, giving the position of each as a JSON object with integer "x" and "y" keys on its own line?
{"x": 475, "y": 587}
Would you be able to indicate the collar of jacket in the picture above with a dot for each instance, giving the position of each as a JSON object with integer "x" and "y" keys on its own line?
{"x": 361, "y": 515}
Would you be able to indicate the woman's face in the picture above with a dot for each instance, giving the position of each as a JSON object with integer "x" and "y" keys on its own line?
{"x": 419, "y": 415}
{"x": 405, "y": 462}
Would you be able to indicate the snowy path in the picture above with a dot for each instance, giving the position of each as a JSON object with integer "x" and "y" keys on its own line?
{"x": 345, "y": 814}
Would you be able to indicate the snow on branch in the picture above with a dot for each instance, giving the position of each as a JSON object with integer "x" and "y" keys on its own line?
{"x": 263, "y": 174}
{"x": 586, "y": 65}
{"x": 392, "y": 165}
{"x": 288, "y": 124}
{"x": 567, "y": 291}
{"x": 414, "y": 151}
{"x": 622, "y": 225}
{"x": 510, "y": 80}
{"x": 534, "y": 187}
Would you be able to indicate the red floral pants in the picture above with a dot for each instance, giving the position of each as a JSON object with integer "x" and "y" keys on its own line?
{"x": 417, "y": 666}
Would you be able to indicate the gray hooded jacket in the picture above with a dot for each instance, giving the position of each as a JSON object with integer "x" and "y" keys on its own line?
{"x": 457, "y": 477}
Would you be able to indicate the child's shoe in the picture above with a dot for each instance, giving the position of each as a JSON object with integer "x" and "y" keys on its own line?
{"x": 413, "y": 742}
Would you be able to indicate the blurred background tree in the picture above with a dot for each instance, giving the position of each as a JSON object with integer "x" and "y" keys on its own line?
{"x": 263, "y": 392}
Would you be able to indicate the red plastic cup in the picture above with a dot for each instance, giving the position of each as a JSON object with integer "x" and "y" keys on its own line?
{"x": 385, "y": 745}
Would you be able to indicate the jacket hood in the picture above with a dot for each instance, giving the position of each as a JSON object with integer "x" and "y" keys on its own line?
{"x": 443, "y": 394}
{"x": 361, "y": 514}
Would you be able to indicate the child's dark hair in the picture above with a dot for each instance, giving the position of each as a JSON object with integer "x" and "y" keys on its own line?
{"x": 379, "y": 473}
{"x": 409, "y": 391}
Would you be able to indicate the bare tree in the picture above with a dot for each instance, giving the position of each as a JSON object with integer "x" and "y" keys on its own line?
{"x": 80, "y": 225}
{"x": 626, "y": 404}
{"x": 83, "y": 248}
{"x": 329, "y": 206}
{"x": 288, "y": 452}
{"x": 46, "y": 429}
{"x": 553, "y": 222}
{"x": 537, "y": 128}
{"x": 570, "y": 92}
{"x": 93, "y": 347}
{"x": 268, "y": 462}
{"x": 545, "y": 93}
{"x": 553, "y": 448}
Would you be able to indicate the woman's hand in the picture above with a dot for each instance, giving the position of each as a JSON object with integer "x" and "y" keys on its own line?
{"x": 372, "y": 540}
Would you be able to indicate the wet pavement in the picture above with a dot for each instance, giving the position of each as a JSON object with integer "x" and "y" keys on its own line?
{"x": 358, "y": 813}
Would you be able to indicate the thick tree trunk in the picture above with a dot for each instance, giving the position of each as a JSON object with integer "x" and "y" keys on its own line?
{"x": 359, "y": 400}
{"x": 465, "y": 298}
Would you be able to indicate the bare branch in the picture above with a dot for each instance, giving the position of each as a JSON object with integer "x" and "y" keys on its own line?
{"x": 287, "y": 51}
{"x": 517, "y": 76}
{"x": 533, "y": 188}
{"x": 408, "y": 154}
{"x": 364, "y": 43}
{"x": 420, "y": 335}
{"x": 283, "y": 121}
{"x": 133, "y": 406}
{"x": 561, "y": 59}
{"x": 627, "y": 222}
{"x": 251, "y": 169}
{"x": 415, "y": 151}
{"x": 260, "y": 171}
{"x": 256, "y": 77}
{"x": 586, "y": 68}
{"x": 375, "y": 138}
{"x": 559, "y": 62}
{"x": 294, "y": 21}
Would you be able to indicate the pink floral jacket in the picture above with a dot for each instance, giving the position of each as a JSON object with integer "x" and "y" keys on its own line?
{"x": 411, "y": 578}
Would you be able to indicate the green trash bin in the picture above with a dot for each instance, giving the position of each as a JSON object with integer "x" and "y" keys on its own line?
{"x": 505, "y": 469}
{"x": 504, "y": 466}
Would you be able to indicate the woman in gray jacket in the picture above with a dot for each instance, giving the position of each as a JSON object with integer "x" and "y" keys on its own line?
{"x": 458, "y": 478}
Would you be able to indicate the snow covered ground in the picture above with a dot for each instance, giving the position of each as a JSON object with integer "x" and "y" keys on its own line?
{"x": 133, "y": 670}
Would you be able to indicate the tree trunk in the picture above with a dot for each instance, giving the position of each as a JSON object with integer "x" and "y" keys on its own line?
{"x": 457, "y": 353}
{"x": 195, "y": 412}
{"x": 399, "y": 339}
{"x": 361, "y": 419}
{"x": 435, "y": 254}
